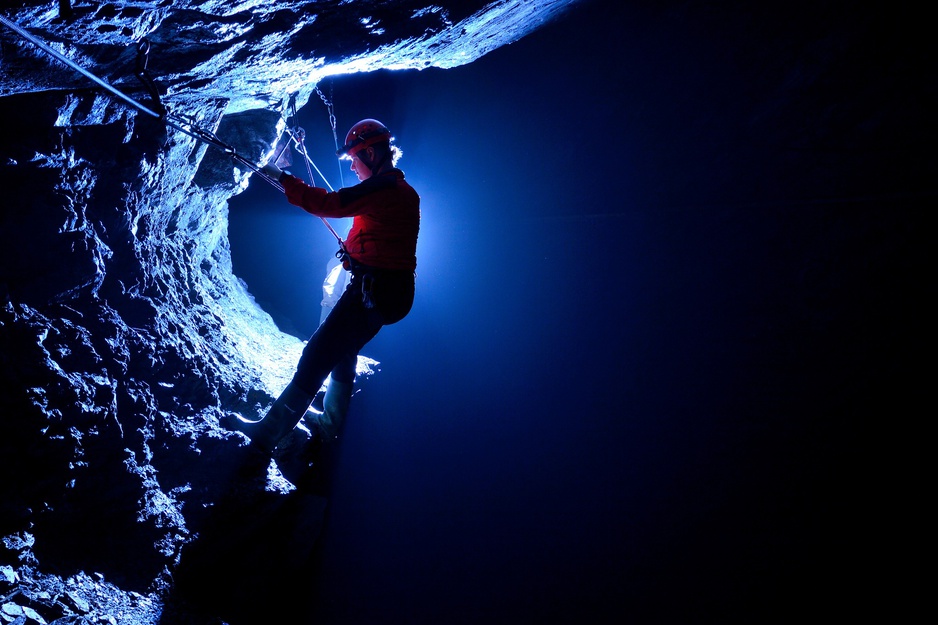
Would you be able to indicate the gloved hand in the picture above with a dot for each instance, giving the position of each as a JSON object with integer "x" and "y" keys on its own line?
{"x": 272, "y": 170}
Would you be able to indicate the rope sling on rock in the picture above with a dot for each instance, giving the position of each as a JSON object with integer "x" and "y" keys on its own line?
{"x": 177, "y": 122}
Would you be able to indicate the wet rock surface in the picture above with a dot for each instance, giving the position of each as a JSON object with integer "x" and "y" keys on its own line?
{"x": 124, "y": 335}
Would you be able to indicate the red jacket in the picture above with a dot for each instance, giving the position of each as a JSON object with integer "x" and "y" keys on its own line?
{"x": 385, "y": 211}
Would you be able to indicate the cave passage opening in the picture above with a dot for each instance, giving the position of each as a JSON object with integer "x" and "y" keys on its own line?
{"x": 279, "y": 251}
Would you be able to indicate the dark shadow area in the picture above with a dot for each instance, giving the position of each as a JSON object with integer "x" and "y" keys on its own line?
{"x": 96, "y": 526}
{"x": 671, "y": 287}
{"x": 664, "y": 363}
{"x": 252, "y": 559}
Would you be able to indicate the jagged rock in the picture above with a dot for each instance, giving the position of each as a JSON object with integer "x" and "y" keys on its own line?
{"x": 123, "y": 332}
{"x": 7, "y": 575}
{"x": 77, "y": 602}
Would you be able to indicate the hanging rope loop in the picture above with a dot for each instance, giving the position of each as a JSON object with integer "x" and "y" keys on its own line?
{"x": 143, "y": 57}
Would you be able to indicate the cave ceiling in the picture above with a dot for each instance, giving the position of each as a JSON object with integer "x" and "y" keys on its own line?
{"x": 124, "y": 334}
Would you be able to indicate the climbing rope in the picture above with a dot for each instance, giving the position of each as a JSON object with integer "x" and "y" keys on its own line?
{"x": 42, "y": 46}
{"x": 188, "y": 126}
{"x": 296, "y": 136}
{"x": 180, "y": 123}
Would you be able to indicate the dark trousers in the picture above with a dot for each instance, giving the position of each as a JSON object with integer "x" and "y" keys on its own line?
{"x": 334, "y": 346}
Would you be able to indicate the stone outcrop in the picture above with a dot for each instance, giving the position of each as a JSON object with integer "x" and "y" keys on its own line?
{"x": 123, "y": 332}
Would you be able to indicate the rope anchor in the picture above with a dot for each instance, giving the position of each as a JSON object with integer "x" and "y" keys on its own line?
{"x": 177, "y": 122}
{"x": 143, "y": 57}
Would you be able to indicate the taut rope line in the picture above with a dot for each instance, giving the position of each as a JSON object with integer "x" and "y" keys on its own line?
{"x": 175, "y": 121}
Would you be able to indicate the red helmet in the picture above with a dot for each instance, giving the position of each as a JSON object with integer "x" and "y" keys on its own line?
{"x": 365, "y": 133}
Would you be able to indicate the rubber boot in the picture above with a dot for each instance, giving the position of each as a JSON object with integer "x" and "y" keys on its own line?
{"x": 279, "y": 420}
{"x": 326, "y": 426}
{"x": 334, "y": 408}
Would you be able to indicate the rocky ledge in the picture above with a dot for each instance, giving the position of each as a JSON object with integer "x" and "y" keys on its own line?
{"x": 124, "y": 334}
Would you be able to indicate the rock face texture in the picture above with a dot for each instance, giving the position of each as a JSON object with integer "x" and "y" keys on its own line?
{"x": 123, "y": 332}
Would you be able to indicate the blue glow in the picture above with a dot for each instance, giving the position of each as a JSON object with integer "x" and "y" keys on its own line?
{"x": 614, "y": 365}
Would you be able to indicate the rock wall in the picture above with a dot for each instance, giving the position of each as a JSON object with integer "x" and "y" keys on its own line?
{"x": 123, "y": 332}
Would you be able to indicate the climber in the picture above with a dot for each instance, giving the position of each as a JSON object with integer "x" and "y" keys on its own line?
{"x": 380, "y": 253}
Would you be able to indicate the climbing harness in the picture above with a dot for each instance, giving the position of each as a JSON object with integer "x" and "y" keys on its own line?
{"x": 368, "y": 285}
{"x": 366, "y": 275}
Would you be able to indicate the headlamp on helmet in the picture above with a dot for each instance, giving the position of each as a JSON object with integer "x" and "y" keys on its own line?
{"x": 364, "y": 134}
